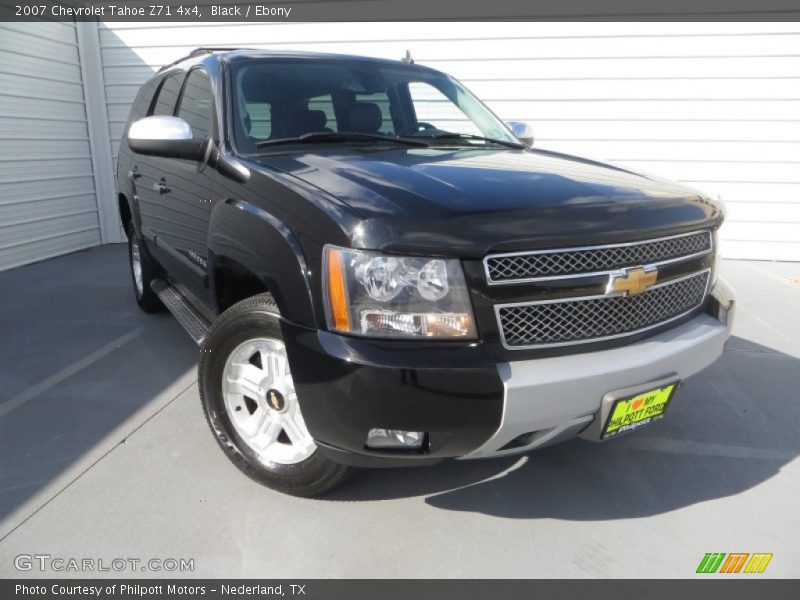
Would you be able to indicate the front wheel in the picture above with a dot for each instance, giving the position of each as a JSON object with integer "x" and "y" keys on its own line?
{"x": 251, "y": 404}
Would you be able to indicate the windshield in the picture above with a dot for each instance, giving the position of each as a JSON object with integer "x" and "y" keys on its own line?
{"x": 286, "y": 99}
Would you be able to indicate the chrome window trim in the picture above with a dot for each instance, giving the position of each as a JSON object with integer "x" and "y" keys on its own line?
{"x": 497, "y": 308}
{"x": 588, "y": 274}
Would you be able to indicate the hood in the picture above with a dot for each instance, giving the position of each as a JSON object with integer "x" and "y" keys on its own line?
{"x": 470, "y": 202}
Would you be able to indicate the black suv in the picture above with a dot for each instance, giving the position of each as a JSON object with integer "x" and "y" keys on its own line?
{"x": 380, "y": 272}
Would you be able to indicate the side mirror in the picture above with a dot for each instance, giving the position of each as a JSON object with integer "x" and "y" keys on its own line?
{"x": 523, "y": 131}
{"x": 168, "y": 137}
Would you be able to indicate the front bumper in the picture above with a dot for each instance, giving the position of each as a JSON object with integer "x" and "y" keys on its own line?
{"x": 469, "y": 405}
{"x": 552, "y": 399}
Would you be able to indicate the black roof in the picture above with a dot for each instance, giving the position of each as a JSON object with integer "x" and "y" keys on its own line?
{"x": 234, "y": 53}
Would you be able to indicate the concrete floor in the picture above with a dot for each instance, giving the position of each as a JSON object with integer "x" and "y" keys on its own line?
{"x": 104, "y": 453}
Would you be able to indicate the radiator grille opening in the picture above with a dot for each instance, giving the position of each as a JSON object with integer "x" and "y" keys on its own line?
{"x": 583, "y": 320}
{"x": 509, "y": 268}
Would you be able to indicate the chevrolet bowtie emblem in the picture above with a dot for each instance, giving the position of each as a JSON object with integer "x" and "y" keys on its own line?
{"x": 632, "y": 281}
{"x": 275, "y": 400}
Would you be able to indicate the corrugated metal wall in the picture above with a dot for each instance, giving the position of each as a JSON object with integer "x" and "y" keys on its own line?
{"x": 714, "y": 105}
{"x": 48, "y": 204}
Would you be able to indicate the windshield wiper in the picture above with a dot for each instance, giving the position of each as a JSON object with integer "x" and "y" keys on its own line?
{"x": 469, "y": 136}
{"x": 340, "y": 136}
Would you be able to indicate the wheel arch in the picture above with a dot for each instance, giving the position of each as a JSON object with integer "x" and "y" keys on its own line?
{"x": 251, "y": 251}
{"x": 234, "y": 282}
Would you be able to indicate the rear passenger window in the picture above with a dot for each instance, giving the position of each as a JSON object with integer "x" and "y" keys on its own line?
{"x": 197, "y": 104}
{"x": 325, "y": 104}
{"x": 168, "y": 95}
{"x": 260, "y": 115}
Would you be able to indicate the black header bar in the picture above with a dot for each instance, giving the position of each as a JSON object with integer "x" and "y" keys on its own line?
{"x": 400, "y": 10}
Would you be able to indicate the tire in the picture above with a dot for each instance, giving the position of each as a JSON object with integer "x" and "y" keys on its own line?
{"x": 146, "y": 298}
{"x": 250, "y": 404}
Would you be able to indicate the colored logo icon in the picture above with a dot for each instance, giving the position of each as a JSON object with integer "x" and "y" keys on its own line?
{"x": 735, "y": 562}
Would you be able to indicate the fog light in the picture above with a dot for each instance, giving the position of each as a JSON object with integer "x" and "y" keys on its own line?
{"x": 395, "y": 438}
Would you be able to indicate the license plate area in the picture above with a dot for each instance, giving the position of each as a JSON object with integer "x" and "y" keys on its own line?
{"x": 631, "y": 410}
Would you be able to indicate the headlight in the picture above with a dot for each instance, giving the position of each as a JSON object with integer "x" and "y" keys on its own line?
{"x": 368, "y": 293}
{"x": 715, "y": 244}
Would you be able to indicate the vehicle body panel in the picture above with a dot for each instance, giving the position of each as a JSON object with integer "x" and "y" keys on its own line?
{"x": 470, "y": 202}
{"x": 271, "y": 213}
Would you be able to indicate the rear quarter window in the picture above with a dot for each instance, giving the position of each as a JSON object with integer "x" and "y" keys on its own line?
{"x": 168, "y": 95}
{"x": 142, "y": 102}
{"x": 144, "y": 99}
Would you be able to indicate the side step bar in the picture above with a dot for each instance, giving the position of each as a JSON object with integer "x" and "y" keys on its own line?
{"x": 195, "y": 324}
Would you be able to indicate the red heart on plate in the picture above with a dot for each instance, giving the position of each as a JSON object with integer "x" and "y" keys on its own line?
{"x": 636, "y": 404}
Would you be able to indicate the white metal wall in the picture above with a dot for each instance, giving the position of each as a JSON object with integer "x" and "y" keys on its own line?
{"x": 48, "y": 204}
{"x": 716, "y": 105}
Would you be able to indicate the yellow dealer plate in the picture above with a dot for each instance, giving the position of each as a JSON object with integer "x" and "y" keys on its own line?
{"x": 631, "y": 413}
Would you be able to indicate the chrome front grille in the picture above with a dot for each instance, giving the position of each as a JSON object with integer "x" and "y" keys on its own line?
{"x": 596, "y": 318}
{"x": 520, "y": 267}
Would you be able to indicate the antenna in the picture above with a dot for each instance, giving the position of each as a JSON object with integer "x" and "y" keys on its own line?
{"x": 407, "y": 58}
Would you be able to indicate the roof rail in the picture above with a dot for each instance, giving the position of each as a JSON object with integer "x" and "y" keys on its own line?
{"x": 198, "y": 52}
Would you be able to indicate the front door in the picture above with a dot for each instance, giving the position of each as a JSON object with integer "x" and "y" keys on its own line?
{"x": 185, "y": 206}
{"x": 148, "y": 171}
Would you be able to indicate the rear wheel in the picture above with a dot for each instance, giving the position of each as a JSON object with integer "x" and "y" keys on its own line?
{"x": 142, "y": 273}
{"x": 251, "y": 404}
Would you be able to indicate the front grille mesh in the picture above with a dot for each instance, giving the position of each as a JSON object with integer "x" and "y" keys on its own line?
{"x": 511, "y": 268}
{"x": 584, "y": 320}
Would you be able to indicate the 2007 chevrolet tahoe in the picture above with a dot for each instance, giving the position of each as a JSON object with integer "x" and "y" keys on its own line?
{"x": 382, "y": 273}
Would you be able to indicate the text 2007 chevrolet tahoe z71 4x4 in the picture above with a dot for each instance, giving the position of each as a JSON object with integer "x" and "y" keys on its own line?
{"x": 382, "y": 273}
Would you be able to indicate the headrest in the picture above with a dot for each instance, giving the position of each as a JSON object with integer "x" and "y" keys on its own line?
{"x": 307, "y": 121}
{"x": 365, "y": 117}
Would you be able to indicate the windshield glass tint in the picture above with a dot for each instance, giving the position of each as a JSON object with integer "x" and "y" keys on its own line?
{"x": 276, "y": 99}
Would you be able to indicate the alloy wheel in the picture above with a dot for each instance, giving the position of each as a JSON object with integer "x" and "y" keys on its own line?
{"x": 261, "y": 402}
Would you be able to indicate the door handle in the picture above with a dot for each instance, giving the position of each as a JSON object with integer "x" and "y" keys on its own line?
{"x": 134, "y": 173}
{"x": 161, "y": 187}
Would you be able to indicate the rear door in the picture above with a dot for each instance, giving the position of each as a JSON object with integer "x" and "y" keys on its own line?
{"x": 128, "y": 167}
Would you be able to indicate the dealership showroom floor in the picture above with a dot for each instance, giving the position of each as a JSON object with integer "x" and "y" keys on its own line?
{"x": 105, "y": 454}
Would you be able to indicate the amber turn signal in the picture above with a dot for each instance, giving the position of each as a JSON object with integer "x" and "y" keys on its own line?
{"x": 337, "y": 292}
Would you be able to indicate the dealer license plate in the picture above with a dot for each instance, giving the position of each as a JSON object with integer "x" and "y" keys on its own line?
{"x": 636, "y": 411}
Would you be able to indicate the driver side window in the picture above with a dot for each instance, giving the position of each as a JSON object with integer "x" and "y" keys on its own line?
{"x": 434, "y": 108}
{"x": 196, "y": 105}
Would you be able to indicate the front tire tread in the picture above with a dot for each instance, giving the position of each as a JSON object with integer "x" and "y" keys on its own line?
{"x": 257, "y": 316}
